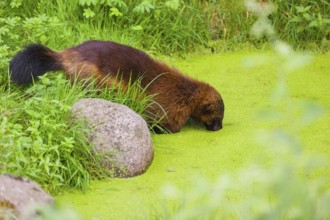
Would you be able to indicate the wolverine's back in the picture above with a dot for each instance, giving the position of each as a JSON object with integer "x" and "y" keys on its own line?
{"x": 109, "y": 58}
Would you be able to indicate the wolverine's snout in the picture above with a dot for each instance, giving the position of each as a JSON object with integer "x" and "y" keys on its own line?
{"x": 214, "y": 125}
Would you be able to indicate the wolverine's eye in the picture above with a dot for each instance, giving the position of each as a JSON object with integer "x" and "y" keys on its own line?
{"x": 207, "y": 110}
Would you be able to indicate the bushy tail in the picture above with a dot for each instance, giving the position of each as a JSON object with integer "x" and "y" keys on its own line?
{"x": 34, "y": 60}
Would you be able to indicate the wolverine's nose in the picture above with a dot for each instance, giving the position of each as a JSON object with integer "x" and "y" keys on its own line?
{"x": 214, "y": 125}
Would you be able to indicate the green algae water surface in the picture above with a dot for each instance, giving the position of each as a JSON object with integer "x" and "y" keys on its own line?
{"x": 195, "y": 151}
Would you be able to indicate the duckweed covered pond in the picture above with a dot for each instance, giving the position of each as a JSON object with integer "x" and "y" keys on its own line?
{"x": 196, "y": 153}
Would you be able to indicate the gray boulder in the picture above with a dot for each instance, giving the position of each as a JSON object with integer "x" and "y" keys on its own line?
{"x": 18, "y": 194}
{"x": 119, "y": 133}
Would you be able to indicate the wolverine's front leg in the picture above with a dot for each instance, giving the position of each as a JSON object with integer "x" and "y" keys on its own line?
{"x": 175, "y": 120}
{"x": 170, "y": 119}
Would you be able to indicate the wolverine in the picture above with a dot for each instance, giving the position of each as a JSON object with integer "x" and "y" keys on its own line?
{"x": 178, "y": 96}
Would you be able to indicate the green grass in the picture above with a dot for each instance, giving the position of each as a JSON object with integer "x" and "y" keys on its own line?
{"x": 168, "y": 27}
{"x": 195, "y": 151}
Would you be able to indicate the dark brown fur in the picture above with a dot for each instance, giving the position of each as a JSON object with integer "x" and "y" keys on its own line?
{"x": 179, "y": 95}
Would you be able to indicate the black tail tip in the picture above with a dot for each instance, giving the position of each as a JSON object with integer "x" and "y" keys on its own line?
{"x": 33, "y": 61}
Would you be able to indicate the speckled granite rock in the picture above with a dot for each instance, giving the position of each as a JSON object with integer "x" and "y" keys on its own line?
{"x": 17, "y": 194}
{"x": 119, "y": 133}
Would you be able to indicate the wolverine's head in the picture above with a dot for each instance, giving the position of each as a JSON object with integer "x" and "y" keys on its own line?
{"x": 209, "y": 108}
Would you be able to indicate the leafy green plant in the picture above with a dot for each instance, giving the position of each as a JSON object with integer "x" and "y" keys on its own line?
{"x": 39, "y": 139}
{"x": 144, "y": 7}
{"x": 307, "y": 21}
{"x": 165, "y": 26}
{"x": 16, "y": 31}
{"x": 303, "y": 22}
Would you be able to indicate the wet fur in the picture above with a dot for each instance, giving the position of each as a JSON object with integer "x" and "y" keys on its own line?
{"x": 179, "y": 95}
